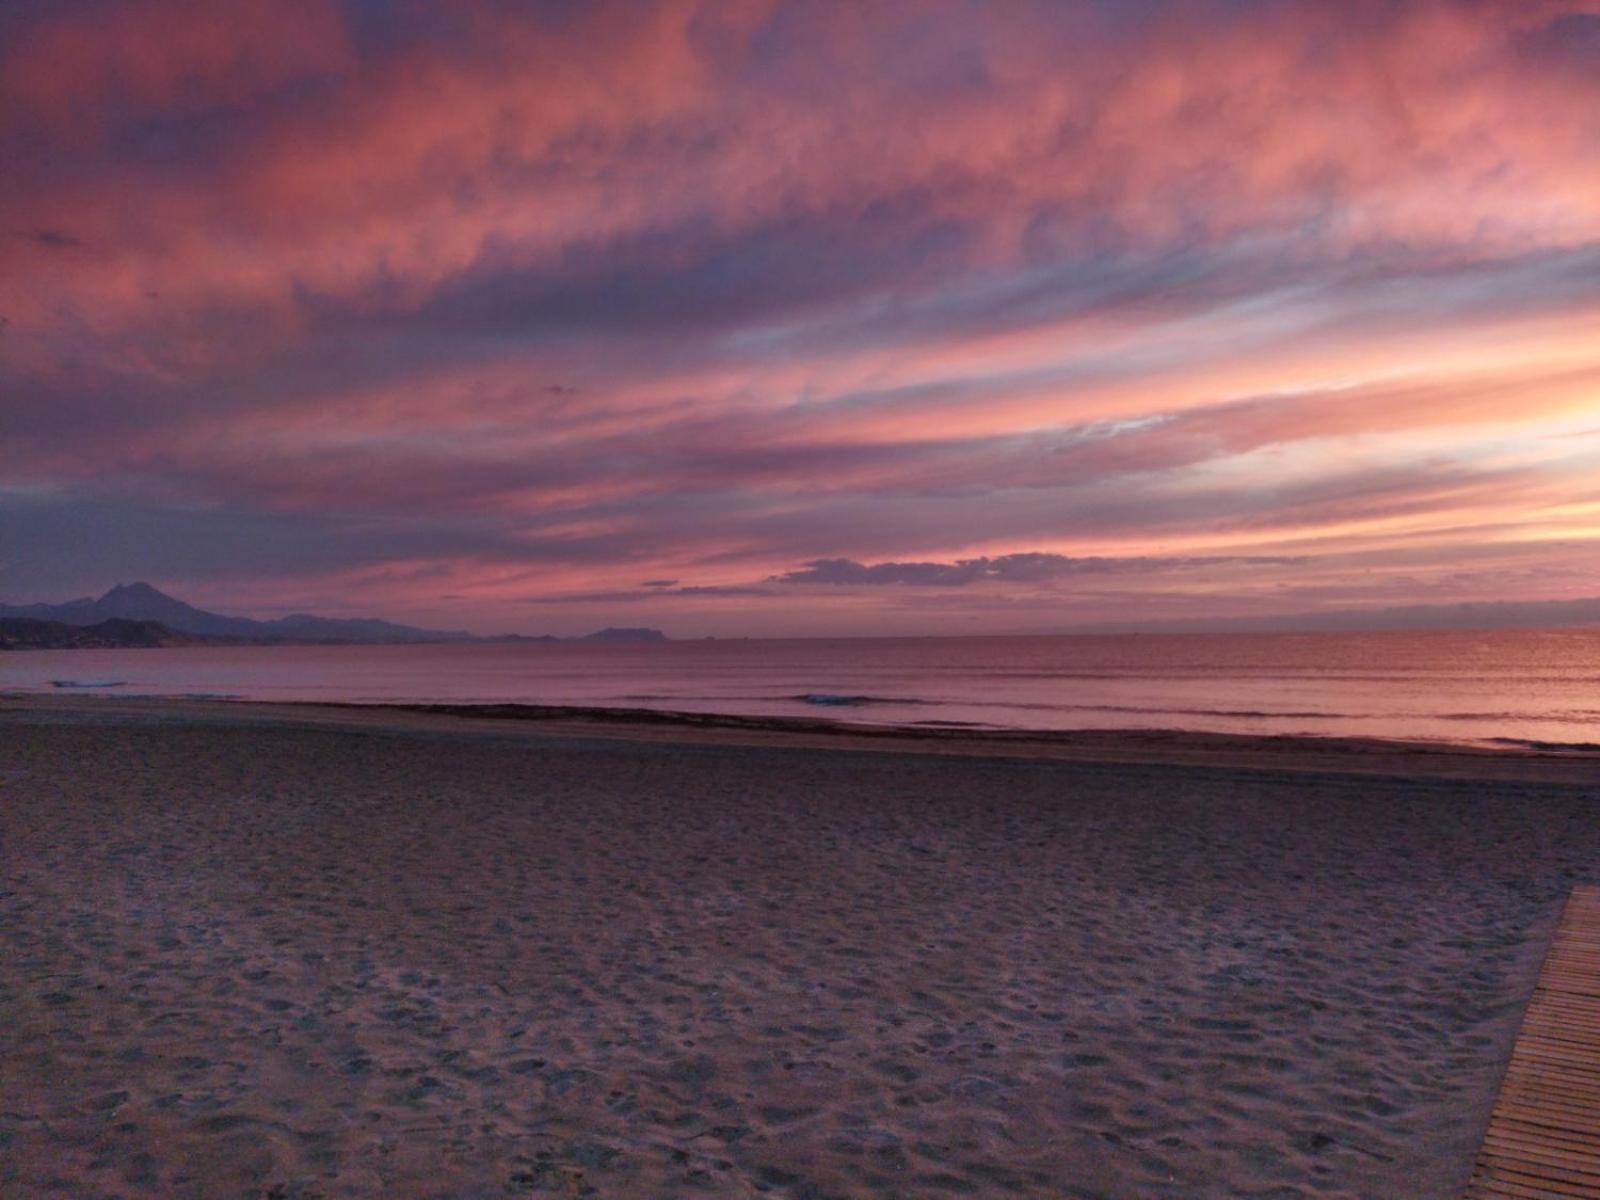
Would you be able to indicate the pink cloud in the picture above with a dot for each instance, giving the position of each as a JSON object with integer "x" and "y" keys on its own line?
{"x": 675, "y": 286}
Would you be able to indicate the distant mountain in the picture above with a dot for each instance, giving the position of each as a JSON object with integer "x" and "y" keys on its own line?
{"x": 139, "y": 602}
{"x": 304, "y": 627}
{"x": 136, "y": 602}
{"x": 28, "y": 633}
{"x": 611, "y": 634}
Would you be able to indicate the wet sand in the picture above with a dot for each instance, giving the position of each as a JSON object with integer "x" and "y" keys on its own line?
{"x": 268, "y": 952}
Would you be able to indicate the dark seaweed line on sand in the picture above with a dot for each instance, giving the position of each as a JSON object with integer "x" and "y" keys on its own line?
{"x": 946, "y": 731}
{"x": 600, "y": 714}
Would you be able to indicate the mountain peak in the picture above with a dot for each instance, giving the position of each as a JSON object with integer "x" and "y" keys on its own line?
{"x": 141, "y": 602}
{"x": 614, "y": 634}
{"x": 135, "y": 591}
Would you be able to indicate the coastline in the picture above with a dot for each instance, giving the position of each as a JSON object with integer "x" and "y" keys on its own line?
{"x": 1232, "y": 751}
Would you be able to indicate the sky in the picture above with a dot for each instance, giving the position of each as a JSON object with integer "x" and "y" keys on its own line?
{"x": 757, "y": 318}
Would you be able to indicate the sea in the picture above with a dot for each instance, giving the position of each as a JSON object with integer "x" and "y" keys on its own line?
{"x": 1536, "y": 688}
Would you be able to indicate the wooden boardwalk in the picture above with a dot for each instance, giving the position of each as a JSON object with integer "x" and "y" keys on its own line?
{"x": 1543, "y": 1141}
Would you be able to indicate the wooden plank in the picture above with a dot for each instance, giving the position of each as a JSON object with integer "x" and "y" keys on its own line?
{"x": 1553, "y": 1113}
{"x": 1543, "y": 1140}
{"x": 1554, "y": 1173}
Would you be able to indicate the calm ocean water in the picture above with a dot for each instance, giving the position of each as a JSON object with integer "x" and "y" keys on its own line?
{"x": 1540, "y": 686}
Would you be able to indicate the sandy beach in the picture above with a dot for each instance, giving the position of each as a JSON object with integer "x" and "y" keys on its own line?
{"x": 272, "y": 952}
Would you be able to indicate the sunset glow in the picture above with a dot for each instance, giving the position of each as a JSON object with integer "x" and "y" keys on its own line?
{"x": 762, "y": 318}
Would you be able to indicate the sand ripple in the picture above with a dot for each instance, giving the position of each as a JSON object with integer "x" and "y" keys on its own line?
{"x": 285, "y": 963}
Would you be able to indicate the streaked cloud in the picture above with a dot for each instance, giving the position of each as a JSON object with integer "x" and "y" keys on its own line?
{"x": 1008, "y": 568}
{"x": 1046, "y": 311}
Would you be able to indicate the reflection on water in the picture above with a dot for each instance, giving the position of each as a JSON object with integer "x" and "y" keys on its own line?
{"x": 1540, "y": 685}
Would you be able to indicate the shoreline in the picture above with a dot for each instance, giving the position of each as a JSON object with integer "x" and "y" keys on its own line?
{"x": 1535, "y": 763}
